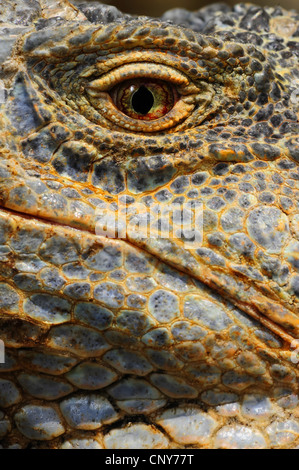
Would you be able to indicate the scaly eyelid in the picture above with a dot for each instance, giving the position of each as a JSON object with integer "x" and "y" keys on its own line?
{"x": 189, "y": 95}
{"x": 150, "y": 71}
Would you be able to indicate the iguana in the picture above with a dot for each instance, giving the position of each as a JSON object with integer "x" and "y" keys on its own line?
{"x": 112, "y": 337}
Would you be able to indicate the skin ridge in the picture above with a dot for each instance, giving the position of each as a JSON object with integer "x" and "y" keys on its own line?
{"x": 145, "y": 337}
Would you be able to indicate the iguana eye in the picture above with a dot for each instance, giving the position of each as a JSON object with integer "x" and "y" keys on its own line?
{"x": 144, "y": 99}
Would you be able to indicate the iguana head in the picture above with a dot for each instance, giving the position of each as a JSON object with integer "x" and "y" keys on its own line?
{"x": 107, "y": 114}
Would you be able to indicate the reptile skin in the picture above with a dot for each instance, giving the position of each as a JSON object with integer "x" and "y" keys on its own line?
{"x": 143, "y": 341}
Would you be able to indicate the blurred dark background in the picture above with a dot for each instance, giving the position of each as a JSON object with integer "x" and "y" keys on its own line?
{"x": 157, "y": 7}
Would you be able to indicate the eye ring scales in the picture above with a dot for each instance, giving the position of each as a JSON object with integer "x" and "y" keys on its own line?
{"x": 143, "y": 97}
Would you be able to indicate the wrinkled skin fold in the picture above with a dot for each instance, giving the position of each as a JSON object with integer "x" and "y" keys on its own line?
{"x": 140, "y": 341}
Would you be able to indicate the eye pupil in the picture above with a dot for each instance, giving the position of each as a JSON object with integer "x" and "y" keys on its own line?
{"x": 142, "y": 100}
